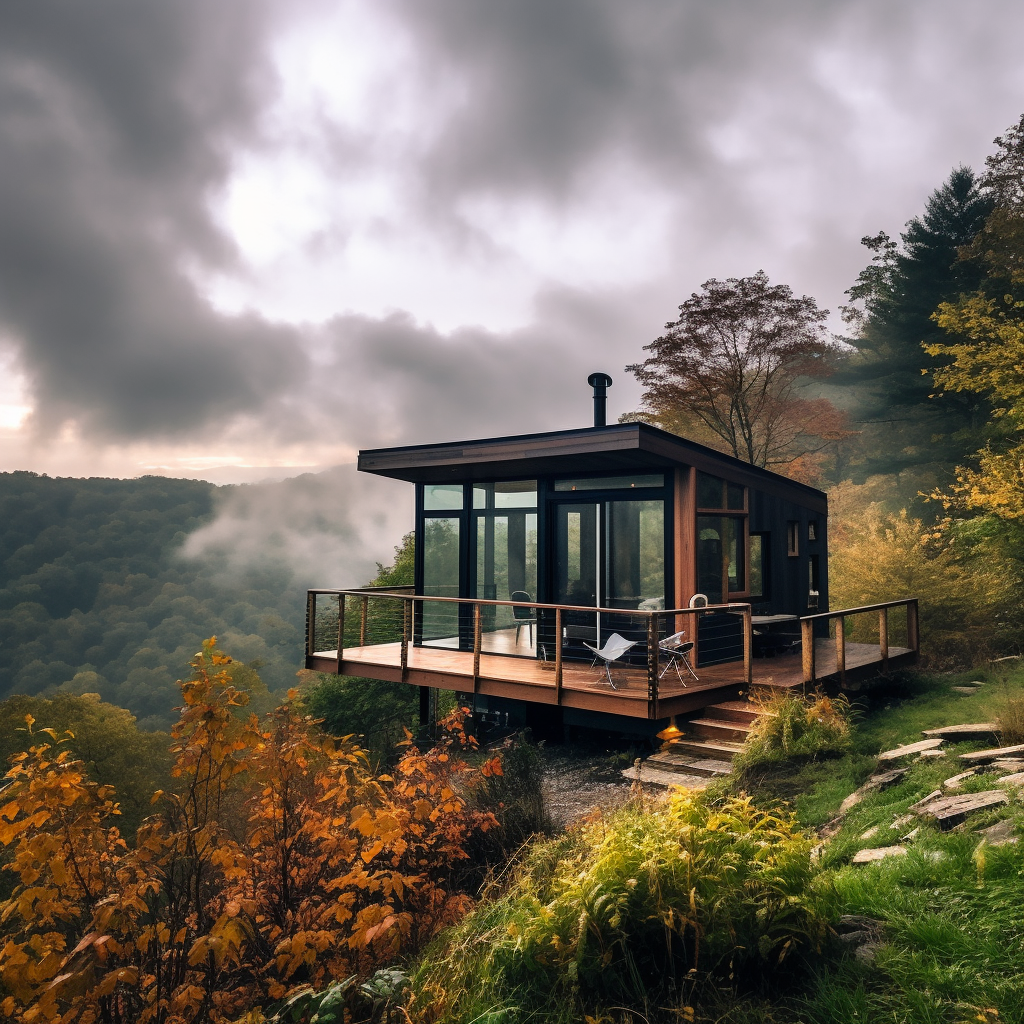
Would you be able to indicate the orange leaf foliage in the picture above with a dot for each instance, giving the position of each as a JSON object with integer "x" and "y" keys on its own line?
{"x": 281, "y": 861}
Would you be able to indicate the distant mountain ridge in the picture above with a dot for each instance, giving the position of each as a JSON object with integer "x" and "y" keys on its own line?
{"x": 95, "y": 595}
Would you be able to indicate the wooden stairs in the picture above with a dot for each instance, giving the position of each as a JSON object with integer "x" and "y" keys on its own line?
{"x": 704, "y": 750}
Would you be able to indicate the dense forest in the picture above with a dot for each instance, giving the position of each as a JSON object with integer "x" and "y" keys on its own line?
{"x": 96, "y": 596}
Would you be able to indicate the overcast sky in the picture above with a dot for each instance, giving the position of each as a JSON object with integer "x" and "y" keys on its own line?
{"x": 261, "y": 235}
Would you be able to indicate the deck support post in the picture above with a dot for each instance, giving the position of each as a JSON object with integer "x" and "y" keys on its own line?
{"x": 913, "y": 635}
{"x": 476, "y": 647}
{"x": 748, "y": 646}
{"x": 424, "y": 705}
{"x": 310, "y": 623}
{"x": 404, "y": 659}
{"x": 883, "y": 637}
{"x": 362, "y": 621}
{"x": 558, "y": 656}
{"x": 841, "y": 649}
{"x": 807, "y": 646}
{"x": 652, "y": 665}
{"x": 341, "y": 628}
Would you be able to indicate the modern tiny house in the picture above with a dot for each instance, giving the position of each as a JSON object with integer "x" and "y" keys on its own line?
{"x": 534, "y": 551}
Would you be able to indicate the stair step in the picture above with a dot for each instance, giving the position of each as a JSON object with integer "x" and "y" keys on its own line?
{"x": 719, "y": 729}
{"x": 721, "y": 749}
{"x": 659, "y": 777}
{"x": 733, "y": 711}
{"x": 680, "y": 764}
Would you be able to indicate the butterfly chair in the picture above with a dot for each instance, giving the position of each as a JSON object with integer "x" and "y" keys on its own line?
{"x": 615, "y": 647}
{"x": 523, "y": 616}
{"x": 676, "y": 649}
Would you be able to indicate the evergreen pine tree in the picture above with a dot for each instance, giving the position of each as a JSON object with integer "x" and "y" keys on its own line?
{"x": 904, "y": 425}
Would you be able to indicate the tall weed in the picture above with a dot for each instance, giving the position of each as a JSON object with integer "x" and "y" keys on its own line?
{"x": 650, "y": 906}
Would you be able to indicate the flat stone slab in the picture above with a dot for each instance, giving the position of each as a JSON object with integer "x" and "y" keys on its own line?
{"x": 935, "y": 794}
{"x": 666, "y": 780}
{"x": 968, "y": 690}
{"x": 958, "y": 733}
{"x": 1006, "y": 764}
{"x": 999, "y": 834}
{"x": 927, "y": 755}
{"x": 1016, "y": 779}
{"x": 872, "y": 856}
{"x": 909, "y": 749}
{"x": 981, "y": 756}
{"x": 952, "y": 810}
{"x": 958, "y": 780}
{"x": 879, "y": 782}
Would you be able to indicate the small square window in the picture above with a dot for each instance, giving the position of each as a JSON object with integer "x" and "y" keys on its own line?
{"x": 793, "y": 538}
{"x": 812, "y": 530}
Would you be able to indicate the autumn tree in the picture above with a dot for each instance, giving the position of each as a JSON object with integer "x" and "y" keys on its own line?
{"x": 732, "y": 371}
{"x": 331, "y": 870}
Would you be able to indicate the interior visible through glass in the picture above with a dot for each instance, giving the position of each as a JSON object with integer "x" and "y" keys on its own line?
{"x": 505, "y": 494}
{"x": 439, "y": 623}
{"x": 721, "y": 562}
{"x": 603, "y": 483}
{"x": 506, "y": 570}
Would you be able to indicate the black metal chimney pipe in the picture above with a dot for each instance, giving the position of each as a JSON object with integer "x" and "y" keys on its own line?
{"x": 600, "y": 382}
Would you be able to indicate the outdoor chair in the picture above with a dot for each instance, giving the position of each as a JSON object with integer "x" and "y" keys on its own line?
{"x": 523, "y": 616}
{"x": 615, "y": 647}
{"x": 676, "y": 649}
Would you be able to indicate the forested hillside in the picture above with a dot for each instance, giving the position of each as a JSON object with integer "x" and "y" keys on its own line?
{"x": 95, "y": 596}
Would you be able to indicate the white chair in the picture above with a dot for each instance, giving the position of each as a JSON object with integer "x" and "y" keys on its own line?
{"x": 699, "y": 601}
{"x": 676, "y": 650}
{"x": 615, "y": 647}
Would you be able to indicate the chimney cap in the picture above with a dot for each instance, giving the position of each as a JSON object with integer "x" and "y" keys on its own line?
{"x": 599, "y": 380}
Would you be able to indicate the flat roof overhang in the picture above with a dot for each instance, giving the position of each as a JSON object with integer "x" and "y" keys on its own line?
{"x": 621, "y": 447}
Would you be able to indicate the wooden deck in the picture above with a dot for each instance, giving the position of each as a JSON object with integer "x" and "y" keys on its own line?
{"x": 586, "y": 687}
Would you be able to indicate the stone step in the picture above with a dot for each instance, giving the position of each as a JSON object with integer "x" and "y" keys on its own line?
{"x": 981, "y": 756}
{"x": 720, "y": 749}
{"x": 949, "y": 811}
{"x": 733, "y": 711}
{"x": 687, "y": 763}
{"x": 656, "y": 777}
{"x": 960, "y": 733}
{"x": 718, "y": 729}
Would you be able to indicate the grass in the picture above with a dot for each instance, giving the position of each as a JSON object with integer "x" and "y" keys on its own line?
{"x": 952, "y": 940}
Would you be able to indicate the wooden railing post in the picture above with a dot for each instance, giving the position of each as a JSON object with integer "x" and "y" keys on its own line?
{"x": 652, "y": 665}
{"x": 406, "y": 616}
{"x": 913, "y": 636}
{"x": 558, "y": 656}
{"x": 476, "y": 647}
{"x": 807, "y": 645}
{"x": 310, "y": 623}
{"x": 341, "y": 628}
{"x": 362, "y": 621}
{"x": 841, "y": 648}
{"x": 748, "y": 646}
{"x": 883, "y": 637}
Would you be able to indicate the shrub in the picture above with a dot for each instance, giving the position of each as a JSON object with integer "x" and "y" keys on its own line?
{"x": 791, "y": 726}
{"x": 637, "y": 910}
{"x": 337, "y": 869}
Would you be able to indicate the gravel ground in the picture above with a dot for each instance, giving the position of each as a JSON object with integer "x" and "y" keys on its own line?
{"x": 576, "y": 781}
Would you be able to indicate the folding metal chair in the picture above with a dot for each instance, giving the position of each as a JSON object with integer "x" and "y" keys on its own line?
{"x": 676, "y": 650}
{"x": 615, "y": 647}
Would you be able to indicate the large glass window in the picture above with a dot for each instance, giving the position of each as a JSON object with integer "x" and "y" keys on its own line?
{"x": 505, "y": 494}
{"x": 442, "y": 497}
{"x": 721, "y": 558}
{"x": 506, "y": 570}
{"x": 760, "y": 569}
{"x": 714, "y": 492}
{"x": 635, "y": 544}
{"x": 440, "y": 622}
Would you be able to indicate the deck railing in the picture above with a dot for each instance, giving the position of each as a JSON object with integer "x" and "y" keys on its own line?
{"x": 339, "y": 620}
{"x": 842, "y": 631}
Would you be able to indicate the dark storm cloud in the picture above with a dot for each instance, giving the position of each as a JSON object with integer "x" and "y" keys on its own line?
{"x": 394, "y": 381}
{"x": 116, "y": 121}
